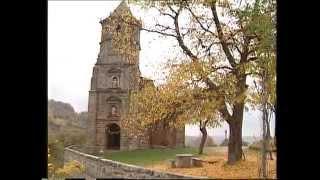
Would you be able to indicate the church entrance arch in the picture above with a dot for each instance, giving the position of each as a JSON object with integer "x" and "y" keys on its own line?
{"x": 113, "y": 136}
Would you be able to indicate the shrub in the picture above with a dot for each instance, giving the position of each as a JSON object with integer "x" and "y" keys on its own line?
{"x": 72, "y": 168}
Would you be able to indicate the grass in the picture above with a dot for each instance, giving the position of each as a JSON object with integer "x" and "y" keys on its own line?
{"x": 148, "y": 156}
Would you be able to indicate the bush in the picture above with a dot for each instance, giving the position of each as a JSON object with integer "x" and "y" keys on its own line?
{"x": 56, "y": 152}
{"x": 72, "y": 137}
{"x": 70, "y": 169}
{"x": 58, "y": 140}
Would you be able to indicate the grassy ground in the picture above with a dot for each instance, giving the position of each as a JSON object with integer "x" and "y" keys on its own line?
{"x": 147, "y": 156}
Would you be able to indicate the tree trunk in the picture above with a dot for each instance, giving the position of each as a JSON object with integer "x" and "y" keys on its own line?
{"x": 269, "y": 113}
{"x": 203, "y": 138}
{"x": 268, "y": 129}
{"x": 268, "y": 135}
{"x": 204, "y": 135}
{"x": 150, "y": 137}
{"x": 235, "y": 135}
{"x": 264, "y": 143}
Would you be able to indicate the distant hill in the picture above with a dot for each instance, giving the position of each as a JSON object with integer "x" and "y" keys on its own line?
{"x": 63, "y": 114}
{"x": 58, "y": 109}
{"x": 65, "y": 127}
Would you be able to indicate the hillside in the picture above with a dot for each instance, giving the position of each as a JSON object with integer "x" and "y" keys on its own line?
{"x": 65, "y": 124}
{"x": 65, "y": 127}
{"x": 59, "y": 109}
{"x": 61, "y": 114}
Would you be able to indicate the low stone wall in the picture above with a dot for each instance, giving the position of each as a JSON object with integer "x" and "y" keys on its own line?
{"x": 97, "y": 167}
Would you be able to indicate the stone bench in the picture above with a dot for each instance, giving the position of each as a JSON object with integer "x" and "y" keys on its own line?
{"x": 183, "y": 160}
{"x": 196, "y": 162}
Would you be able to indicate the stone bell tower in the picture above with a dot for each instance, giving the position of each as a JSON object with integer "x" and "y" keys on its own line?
{"x": 115, "y": 74}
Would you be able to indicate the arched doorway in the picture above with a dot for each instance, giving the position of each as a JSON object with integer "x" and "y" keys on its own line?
{"x": 113, "y": 136}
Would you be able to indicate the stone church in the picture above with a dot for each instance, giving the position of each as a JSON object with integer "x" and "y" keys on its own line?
{"x": 114, "y": 76}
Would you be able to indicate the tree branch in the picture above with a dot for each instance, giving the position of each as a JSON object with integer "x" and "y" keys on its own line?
{"x": 225, "y": 113}
{"x": 159, "y": 32}
{"x": 166, "y": 14}
{"x": 164, "y": 28}
{"x": 175, "y": 12}
{"x": 206, "y": 122}
{"x": 221, "y": 36}
{"x": 222, "y": 67}
{"x": 252, "y": 59}
{"x": 198, "y": 21}
{"x": 253, "y": 73}
{"x": 185, "y": 49}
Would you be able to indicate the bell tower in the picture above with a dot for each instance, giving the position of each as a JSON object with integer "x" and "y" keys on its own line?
{"x": 114, "y": 75}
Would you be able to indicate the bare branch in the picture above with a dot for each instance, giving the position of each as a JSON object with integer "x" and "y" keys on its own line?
{"x": 164, "y": 27}
{"x": 197, "y": 19}
{"x": 185, "y": 49}
{"x": 221, "y": 36}
{"x": 252, "y": 59}
{"x": 165, "y": 14}
{"x": 206, "y": 122}
{"x": 222, "y": 67}
{"x": 159, "y": 32}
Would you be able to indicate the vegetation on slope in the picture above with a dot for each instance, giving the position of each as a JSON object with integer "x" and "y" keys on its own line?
{"x": 64, "y": 129}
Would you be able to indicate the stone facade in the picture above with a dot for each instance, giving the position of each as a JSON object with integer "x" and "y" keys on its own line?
{"x": 114, "y": 76}
{"x": 96, "y": 167}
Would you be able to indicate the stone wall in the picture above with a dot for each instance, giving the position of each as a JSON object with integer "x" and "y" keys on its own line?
{"x": 97, "y": 167}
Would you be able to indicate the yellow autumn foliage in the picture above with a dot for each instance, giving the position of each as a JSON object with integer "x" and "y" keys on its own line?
{"x": 69, "y": 169}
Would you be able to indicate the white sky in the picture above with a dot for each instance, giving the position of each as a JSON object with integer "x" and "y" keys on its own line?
{"x": 73, "y": 44}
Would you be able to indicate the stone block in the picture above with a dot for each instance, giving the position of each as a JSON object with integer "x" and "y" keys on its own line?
{"x": 183, "y": 160}
{"x": 196, "y": 162}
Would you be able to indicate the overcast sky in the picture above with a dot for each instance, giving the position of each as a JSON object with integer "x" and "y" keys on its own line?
{"x": 73, "y": 44}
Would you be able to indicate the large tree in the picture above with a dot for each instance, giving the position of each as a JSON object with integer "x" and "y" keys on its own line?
{"x": 221, "y": 39}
